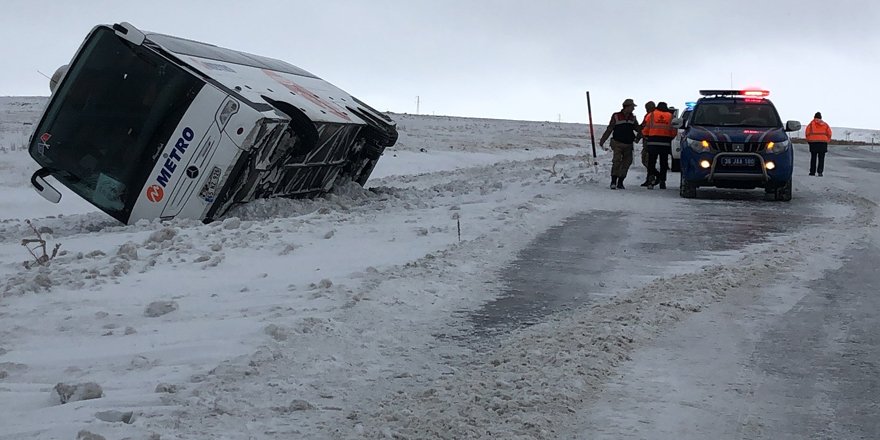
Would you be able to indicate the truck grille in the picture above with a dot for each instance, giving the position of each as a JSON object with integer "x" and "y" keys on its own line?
{"x": 738, "y": 147}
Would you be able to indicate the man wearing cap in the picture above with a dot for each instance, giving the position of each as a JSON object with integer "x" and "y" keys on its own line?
{"x": 818, "y": 136}
{"x": 624, "y": 130}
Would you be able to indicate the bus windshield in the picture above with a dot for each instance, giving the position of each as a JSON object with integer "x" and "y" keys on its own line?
{"x": 109, "y": 120}
{"x": 736, "y": 113}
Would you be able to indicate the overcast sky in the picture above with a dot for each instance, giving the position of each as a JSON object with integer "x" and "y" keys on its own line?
{"x": 514, "y": 59}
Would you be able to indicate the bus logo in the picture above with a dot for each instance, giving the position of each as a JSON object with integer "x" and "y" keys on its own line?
{"x": 174, "y": 157}
{"x": 155, "y": 193}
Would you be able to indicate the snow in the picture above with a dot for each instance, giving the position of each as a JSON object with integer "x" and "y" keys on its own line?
{"x": 348, "y": 316}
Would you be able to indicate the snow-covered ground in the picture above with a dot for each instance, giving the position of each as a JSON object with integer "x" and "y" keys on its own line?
{"x": 348, "y": 316}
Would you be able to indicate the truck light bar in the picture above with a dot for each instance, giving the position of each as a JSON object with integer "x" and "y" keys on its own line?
{"x": 755, "y": 93}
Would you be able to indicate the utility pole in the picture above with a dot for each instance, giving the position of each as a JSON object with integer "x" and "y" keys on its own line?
{"x": 592, "y": 135}
{"x": 417, "y": 104}
{"x": 560, "y": 117}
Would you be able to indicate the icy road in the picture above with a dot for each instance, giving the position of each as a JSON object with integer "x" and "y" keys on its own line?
{"x": 486, "y": 285}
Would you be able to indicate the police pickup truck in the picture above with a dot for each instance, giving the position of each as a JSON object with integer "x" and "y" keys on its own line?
{"x": 735, "y": 139}
{"x": 676, "y": 144}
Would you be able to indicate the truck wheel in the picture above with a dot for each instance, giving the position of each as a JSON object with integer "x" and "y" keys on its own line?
{"x": 783, "y": 193}
{"x": 687, "y": 189}
{"x": 676, "y": 165}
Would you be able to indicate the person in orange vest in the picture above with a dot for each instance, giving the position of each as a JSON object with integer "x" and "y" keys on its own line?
{"x": 659, "y": 134}
{"x": 649, "y": 107}
{"x": 624, "y": 131}
{"x": 818, "y": 136}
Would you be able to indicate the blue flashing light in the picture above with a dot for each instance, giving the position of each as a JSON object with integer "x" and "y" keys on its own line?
{"x": 690, "y": 105}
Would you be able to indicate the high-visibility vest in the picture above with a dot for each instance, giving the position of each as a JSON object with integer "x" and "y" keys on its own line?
{"x": 818, "y": 131}
{"x": 659, "y": 123}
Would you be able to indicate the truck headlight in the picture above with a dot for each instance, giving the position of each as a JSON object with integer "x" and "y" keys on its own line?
{"x": 699, "y": 146}
{"x": 778, "y": 147}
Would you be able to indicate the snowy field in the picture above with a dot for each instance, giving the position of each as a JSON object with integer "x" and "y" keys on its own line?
{"x": 346, "y": 317}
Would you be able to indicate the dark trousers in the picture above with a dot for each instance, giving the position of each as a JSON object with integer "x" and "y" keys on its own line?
{"x": 814, "y": 167}
{"x": 659, "y": 176}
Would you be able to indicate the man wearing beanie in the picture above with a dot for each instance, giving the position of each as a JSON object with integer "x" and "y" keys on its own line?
{"x": 818, "y": 136}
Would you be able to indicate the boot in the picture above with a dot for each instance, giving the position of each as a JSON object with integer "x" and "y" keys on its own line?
{"x": 620, "y": 183}
{"x": 647, "y": 181}
{"x": 662, "y": 184}
{"x": 613, "y": 182}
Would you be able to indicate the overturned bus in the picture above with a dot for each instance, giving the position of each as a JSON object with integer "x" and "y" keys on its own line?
{"x": 151, "y": 126}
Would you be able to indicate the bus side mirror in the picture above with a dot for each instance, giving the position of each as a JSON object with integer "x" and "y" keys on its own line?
{"x": 677, "y": 122}
{"x": 38, "y": 180}
{"x": 792, "y": 126}
{"x": 130, "y": 33}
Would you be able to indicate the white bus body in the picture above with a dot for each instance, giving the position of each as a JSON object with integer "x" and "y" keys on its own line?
{"x": 149, "y": 126}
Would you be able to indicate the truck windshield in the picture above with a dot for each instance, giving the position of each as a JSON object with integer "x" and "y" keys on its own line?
{"x": 109, "y": 119}
{"x": 736, "y": 114}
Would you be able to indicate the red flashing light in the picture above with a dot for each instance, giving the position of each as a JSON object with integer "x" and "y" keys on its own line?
{"x": 754, "y": 93}
{"x": 751, "y": 131}
{"x": 753, "y": 100}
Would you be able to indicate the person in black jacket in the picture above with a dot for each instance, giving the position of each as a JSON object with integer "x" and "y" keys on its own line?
{"x": 624, "y": 130}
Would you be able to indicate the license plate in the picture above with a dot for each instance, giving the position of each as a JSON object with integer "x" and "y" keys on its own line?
{"x": 738, "y": 161}
{"x": 210, "y": 189}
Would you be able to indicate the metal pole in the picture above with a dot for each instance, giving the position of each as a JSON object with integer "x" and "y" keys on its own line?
{"x": 592, "y": 134}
